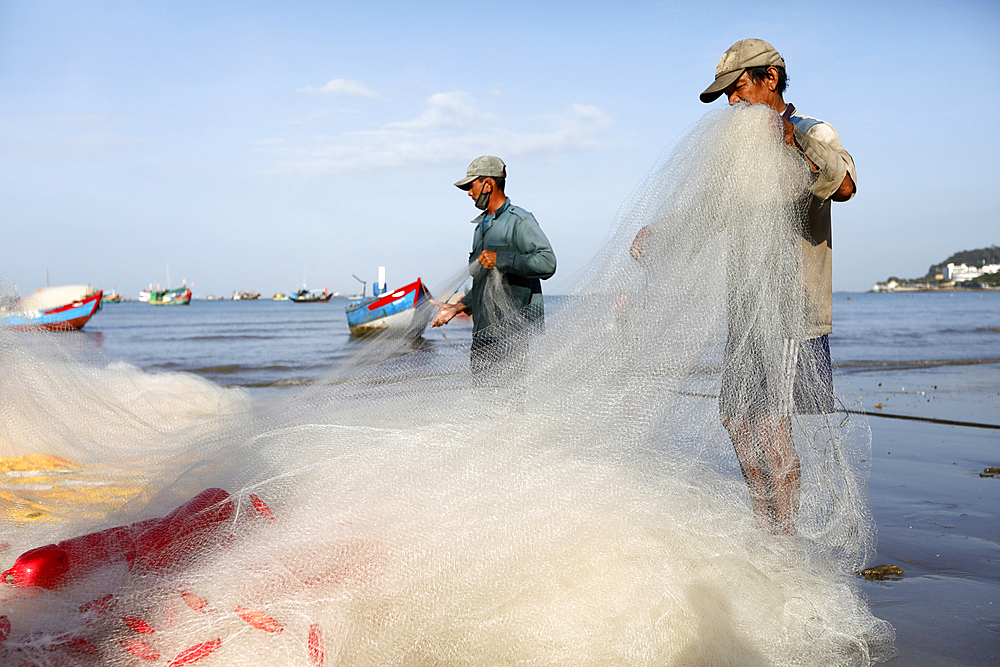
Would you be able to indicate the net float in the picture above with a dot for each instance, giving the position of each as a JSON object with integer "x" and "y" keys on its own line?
{"x": 140, "y": 649}
{"x": 195, "y": 601}
{"x": 316, "y": 651}
{"x": 98, "y": 606}
{"x": 195, "y": 653}
{"x": 259, "y": 620}
{"x": 151, "y": 544}
{"x": 81, "y": 645}
{"x": 138, "y": 625}
{"x": 261, "y": 507}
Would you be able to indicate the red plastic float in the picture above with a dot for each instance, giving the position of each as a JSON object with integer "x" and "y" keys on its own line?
{"x": 316, "y": 652}
{"x": 195, "y": 653}
{"x": 196, "y": 602}
{"x": 259, "y": 620}
{"x": 153, "y": 544}
{"x": 138, "y": 625}
{"x": 140, "y": 649}
{"x": 261, "y": 507}
{"x": 98, "y": 607}
{"x": 81, "y": 645}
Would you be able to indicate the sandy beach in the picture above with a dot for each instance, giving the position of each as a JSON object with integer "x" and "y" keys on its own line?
{"x": 937, "y": 517}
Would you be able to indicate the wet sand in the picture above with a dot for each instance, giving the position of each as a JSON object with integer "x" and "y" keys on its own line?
{"x": 936, "y": 517}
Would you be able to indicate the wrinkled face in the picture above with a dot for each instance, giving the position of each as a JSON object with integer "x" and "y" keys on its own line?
{"x": 748, "y": 91}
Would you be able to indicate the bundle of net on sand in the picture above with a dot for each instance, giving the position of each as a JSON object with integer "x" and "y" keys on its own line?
{"x": 585, "y": 508}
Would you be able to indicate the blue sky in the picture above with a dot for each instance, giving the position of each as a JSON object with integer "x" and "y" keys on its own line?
{"x": 256, "y": 145}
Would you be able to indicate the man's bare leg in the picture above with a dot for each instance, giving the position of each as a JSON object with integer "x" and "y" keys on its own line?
{"x": 785, "y": 470}
{"x": 771, "y": 468}
{"x": 754, "y": 468}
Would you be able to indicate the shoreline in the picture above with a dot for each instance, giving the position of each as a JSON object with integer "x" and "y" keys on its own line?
{"x": 923, "y": 289}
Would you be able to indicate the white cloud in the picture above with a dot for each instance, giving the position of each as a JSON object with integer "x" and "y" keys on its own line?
{"x": 444, "y": 109}
{"x": 575, "y": 128}
{"x": 450, "y": 128}
{"x": 348, "y": 87}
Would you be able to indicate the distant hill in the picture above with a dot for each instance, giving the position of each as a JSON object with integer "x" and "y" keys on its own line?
{"x": 976, "y": 258}
{"x": 932, "y": 281}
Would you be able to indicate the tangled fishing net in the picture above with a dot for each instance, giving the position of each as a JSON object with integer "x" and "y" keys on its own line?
{"x": 587, "y": 510}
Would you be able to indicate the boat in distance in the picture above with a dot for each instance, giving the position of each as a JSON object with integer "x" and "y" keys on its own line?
{"x": 306, "y": 296}
{"x": 54, "y": 309}
{"x": 180, "y": 296}
{"x": 112, "y": 297}
{"x": 404, "y": 312}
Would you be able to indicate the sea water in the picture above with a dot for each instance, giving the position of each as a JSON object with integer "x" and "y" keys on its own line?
{"x": 929, "y": 355}
{"x": 279, "y": 345}
{"x": 960, "y": 325}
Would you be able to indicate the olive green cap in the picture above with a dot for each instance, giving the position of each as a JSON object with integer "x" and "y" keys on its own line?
{"x": 487, "y": 165}
{"x": 741, "y": 56}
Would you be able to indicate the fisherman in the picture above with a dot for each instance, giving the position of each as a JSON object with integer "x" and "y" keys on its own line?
{"x": 510, "y": 257}
{"x": 752, "y": 72}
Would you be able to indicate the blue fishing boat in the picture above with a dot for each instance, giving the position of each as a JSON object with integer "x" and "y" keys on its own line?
{"x": 404, "y": 312}
{"x": 54, "y": 309}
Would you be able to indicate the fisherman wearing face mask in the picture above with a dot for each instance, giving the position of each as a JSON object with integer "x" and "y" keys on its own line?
{"x": 508, "y": 243}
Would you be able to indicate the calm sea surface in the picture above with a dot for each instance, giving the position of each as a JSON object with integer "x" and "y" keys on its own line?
{"x": 270, "y": 345}
{"x": 260, "y": 345}
{"x": 910, "y": 327}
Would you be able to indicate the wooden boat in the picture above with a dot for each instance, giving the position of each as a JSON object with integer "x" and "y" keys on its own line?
{"x": 180, "y": 296}
{"x": 54, "y": 309}
{"x": 404, "y": 312}
{"x": 112, "y": 297}
{"x": 305, "y": 296}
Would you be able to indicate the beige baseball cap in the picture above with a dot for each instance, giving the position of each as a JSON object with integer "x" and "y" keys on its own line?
{"x": 486, "y": 165}
{"x": 742, "y": 55}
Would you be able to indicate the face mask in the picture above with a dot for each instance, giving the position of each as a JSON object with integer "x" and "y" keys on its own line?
{"x": 483, "y": 199}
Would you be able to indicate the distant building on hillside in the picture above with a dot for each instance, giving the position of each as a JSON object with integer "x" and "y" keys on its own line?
{"x": 959, "y": 273}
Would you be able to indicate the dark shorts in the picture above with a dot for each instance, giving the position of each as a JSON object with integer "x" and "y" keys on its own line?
{"x": 795, "y": 377}
{"x": 497, "y": 362}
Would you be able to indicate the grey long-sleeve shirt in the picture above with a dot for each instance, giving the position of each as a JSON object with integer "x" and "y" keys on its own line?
{"x": 524, "y": 257}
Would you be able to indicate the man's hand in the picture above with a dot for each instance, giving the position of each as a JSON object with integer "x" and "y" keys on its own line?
{"x": 488, "y": 259}
{"x": 790, "y": 134}
{"x": 790, "y": 140}
{"x": 845, "y": 190}
{"x": 446, "y": 312}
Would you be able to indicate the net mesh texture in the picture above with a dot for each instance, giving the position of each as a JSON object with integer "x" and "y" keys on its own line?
{"x": 584, "y": 505}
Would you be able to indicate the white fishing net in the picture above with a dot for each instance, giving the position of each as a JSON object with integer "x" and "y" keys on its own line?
{"x": 583, "y": 507}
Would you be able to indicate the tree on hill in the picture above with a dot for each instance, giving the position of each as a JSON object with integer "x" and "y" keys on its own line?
{"x": 975, "y": 258}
